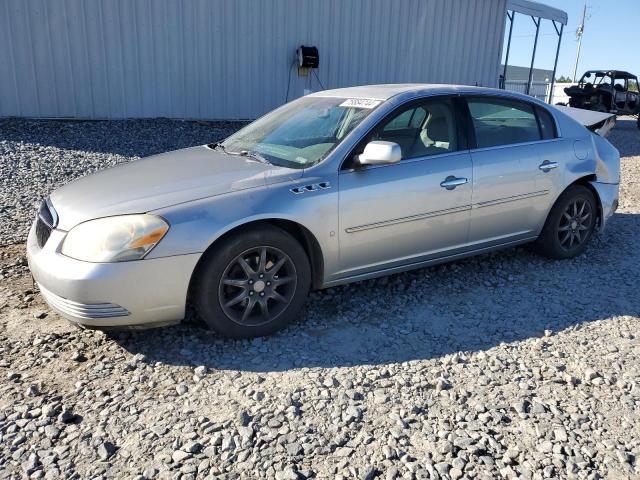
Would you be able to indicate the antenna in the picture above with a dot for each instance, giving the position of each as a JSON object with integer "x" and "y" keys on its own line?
{"x": 579, "y": 33}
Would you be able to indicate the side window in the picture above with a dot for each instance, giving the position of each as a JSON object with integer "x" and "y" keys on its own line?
{"x": 620, "y": 84}
{"x": 400, "y": 122}
{"x": 502, "y": 122}
{"x": 411, "y": 118}
{"x": 633, "y": 85}
{"x": 547, "y": 125}
{"x": 418, "y": 117}
{"x": 423, "y": 130}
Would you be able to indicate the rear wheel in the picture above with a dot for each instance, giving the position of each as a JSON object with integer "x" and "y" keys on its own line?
{"x": 253, "y": 283}
{"x": 570, "y": 224}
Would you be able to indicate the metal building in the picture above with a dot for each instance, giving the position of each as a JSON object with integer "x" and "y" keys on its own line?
{"x": 231, "y": 59}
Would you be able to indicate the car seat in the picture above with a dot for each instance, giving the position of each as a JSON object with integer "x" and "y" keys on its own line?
{"x": 437, "y": 134}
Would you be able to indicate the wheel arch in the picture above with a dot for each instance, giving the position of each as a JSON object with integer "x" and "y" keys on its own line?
{"x": 585, "y": 181}
{"x": 302, "y": 234}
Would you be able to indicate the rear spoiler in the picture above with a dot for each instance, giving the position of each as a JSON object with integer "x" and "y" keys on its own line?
{"x": 598, "y": 122}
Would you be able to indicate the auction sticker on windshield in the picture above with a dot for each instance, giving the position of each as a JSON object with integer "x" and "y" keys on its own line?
{"x": 367, "y": 103}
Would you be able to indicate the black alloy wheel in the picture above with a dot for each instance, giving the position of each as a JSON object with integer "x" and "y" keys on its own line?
{"x": 252, "y": 282}
{"x": 575, "y": 223}
{"x": 257, "y": 286}
{"x": 570, "y": 224}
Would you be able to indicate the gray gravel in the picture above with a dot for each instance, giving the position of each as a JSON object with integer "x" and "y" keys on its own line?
{"x": 506, "y": 365}
{"x": 37, "y": 156}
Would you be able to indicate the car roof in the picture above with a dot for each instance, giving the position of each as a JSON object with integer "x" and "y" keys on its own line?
{"x": 387, "y": 91}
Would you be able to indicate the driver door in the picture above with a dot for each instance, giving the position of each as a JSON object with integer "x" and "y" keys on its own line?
{"x": 400, "y": 214}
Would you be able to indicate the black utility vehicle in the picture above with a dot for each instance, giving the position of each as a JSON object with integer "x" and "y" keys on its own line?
{"x": 610, "y": 91}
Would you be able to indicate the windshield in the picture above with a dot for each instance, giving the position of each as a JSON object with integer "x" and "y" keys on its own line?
{"x": 302, "y": 132}
{"x": 596, "y": 78}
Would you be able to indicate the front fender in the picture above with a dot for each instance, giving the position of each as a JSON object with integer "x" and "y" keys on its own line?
{"x": 195, "y": 226}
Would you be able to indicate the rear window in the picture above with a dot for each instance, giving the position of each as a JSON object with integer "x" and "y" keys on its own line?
{"x": 503, "y": 122}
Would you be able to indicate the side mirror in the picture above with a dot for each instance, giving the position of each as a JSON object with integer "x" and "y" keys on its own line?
{"x": 380, "y": 153}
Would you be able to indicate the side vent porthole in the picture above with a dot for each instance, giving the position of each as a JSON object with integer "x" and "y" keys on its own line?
{"x": 310, "y": 188}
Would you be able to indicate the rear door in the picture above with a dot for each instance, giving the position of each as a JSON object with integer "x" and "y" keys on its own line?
{"x": 516, "y": 169}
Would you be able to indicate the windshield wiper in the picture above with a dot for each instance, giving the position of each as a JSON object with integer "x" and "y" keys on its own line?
{"x": 218, "y": 146}
{"x": 242, "y": 153}
{"x": 254, "y": 155}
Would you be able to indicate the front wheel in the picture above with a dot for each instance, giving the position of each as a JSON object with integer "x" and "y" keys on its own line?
{"x": 570, "y": 224}
{"x": 253, "y": 283}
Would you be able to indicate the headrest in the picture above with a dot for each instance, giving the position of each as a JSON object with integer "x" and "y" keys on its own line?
{"x": 438, "y": 129}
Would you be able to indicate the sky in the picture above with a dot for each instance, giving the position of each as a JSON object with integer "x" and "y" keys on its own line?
{"x": 611, "y": 38}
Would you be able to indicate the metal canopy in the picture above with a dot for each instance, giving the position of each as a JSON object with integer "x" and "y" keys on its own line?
{"x": 537, "y": 12}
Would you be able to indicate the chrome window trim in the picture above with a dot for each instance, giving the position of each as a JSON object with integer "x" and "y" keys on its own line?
{"x": 424, "y": 158}
{"x": 506, "y": 95}
{"x": 520, "y": 144}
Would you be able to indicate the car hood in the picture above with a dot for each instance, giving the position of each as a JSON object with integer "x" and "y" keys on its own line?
{"x": 161, "y": 181}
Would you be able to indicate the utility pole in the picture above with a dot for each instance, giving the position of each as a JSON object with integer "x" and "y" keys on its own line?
{"x": 579, "y": 34}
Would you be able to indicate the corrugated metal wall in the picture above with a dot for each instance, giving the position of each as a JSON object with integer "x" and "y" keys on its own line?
{"x": 229, "y": 59}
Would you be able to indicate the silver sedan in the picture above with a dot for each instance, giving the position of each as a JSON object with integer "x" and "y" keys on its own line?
{"x": 338, "y": 186}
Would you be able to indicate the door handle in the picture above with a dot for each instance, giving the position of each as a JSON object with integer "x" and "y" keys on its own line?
{"x": 547, "y": 165}
{"x": 452, "y": 182}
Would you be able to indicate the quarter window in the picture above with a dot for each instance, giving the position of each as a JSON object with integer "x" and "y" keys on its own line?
{"x": 547, "y": 125}
{"x": 503, "y": 122}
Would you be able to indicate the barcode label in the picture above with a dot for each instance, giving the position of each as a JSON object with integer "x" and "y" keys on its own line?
{"x": 361, "y": 103}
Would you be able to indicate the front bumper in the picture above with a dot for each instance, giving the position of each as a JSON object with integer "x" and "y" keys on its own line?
{"x": 126, "y": 294}
{"x": 608, "y": 194}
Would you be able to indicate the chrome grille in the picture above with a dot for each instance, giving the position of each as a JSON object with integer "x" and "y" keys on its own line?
{"x": 47, "y": 221}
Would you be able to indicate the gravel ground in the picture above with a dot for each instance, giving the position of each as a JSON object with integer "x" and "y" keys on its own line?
{"x": 37, "y": 156}
{"x": 506, "y": 365}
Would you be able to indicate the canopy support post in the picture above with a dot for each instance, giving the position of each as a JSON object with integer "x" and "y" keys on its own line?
{"x": 511, "y": 17}
{"x": 555, "y": 65}
{"x": 533, "y": 56}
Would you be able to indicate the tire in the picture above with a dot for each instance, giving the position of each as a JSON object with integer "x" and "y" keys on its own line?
{"x": 257, "y": 266}
{"x": 570, "y": 225}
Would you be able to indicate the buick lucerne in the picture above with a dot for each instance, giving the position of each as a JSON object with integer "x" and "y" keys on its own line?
{"x": 335, "y": 187}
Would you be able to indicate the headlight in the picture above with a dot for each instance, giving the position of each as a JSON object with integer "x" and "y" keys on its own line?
{"x": 114, "y": 239}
